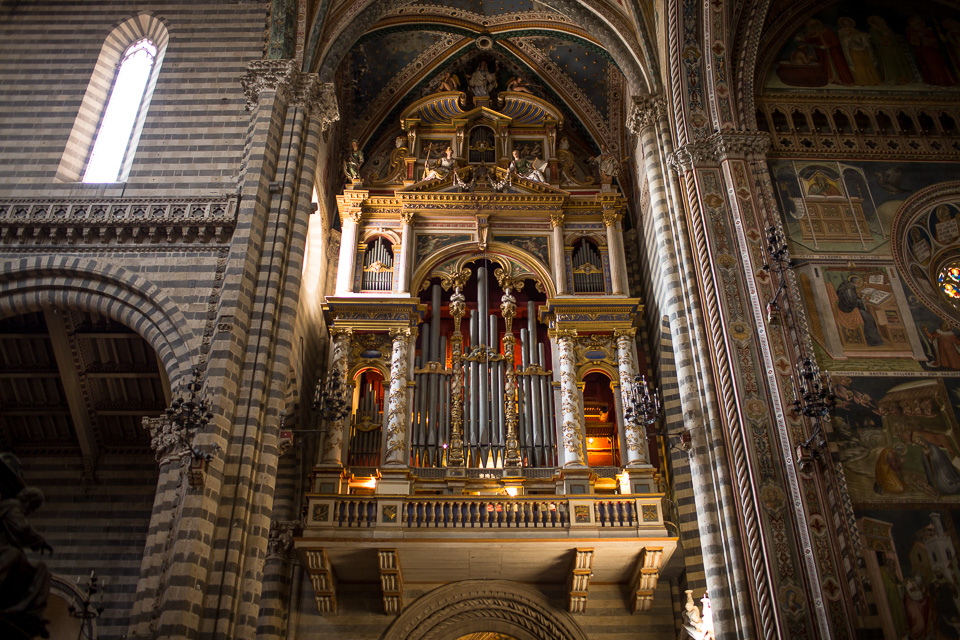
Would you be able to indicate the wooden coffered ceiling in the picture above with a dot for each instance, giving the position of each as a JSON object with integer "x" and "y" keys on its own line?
{"x": 76, "y": 383}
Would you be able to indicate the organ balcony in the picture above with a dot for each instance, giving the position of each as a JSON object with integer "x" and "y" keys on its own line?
{"x": 483, "y": 332}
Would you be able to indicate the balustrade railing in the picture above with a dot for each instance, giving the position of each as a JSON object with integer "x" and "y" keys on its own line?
{"x": 461, "y": 512}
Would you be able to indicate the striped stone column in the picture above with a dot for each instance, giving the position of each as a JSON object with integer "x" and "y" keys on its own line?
{"x": 571, "y": 422}
{"x": 723, "y": 562}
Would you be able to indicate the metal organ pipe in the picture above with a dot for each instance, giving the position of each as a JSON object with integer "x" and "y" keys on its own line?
{"x": 474, "y": 389}
{"x": 433, "y": 412}
{"x": 483, "y": 383}
{"x": 534, "y": 385}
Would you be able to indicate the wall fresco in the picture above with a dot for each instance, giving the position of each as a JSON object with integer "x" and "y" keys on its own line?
{"x": 536, "y": 245}
{"x": 428, "y": 243}
{"x": 911, "y": 560}
{"x": 847, "y": 207}
{"x": 883, "y": 46}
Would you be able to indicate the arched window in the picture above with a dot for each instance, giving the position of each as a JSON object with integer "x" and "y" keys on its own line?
{"x": 107, "y": 129}
{"x": 126, "y": 99}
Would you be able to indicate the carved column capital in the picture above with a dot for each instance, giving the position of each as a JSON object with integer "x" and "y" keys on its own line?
{"x": 407, "y": 216}
{"x": 280, "y": 539}
{"x": 625, "y": 333}
{"x": 354, "y": 215}
{"x": 751, "y": 145}
{"x": 166, "y": 438}
{"x": 611, "y": 218}
{"x": 319, "y": 99}
{"x": 691, "y": 155}
{"x": 564, "y": 334}
{"x": 556, "y": 219}
{"x": 341, "y": 331}
{"x": 401, "y": 334}
{"x": 644, "y": 113}
{"x": 280, "y": 76}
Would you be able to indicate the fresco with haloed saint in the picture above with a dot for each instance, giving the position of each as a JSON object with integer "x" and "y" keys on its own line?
{"x": 898, "y": 438}
{"x": 884, "y": 46}
{"x": 911, "y": 560}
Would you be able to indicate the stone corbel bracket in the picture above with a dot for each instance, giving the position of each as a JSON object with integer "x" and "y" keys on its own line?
{"x": 391, "y": 581}
{"x": 644, "y": 580}
{"x": 324, "y": 582}
{"x": 579, "y": 581}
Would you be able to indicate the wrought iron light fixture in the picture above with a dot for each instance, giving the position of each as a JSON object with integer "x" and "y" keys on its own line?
{"x": 190, "y": 414}
{"x": 91, "y": 605}
{"x": 642, "y": 407}
{"x": 813, "y": 398}
{"x": 330, "y": 399}
{"x": 779, "y": 261}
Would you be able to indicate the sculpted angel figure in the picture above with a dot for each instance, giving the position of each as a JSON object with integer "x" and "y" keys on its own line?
{"x": 517, "y": 83}
{"x": 450, "y": 82}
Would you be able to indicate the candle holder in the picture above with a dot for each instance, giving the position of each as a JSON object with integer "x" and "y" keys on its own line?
{"x": 91, "y": 605}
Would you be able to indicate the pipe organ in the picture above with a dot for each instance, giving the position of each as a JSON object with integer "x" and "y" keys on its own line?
{"x": 469, "y": 359}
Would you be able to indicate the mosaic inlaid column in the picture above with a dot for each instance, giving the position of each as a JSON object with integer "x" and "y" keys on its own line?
{"x": 571, "y": 423}
{"x": 395, "y": 442}
{"x": 557, "y": 253}
{"x": 636, "y": 440}
{"x": 405, "y": 259}
{"x": 332, "y": 452}
{"x": 350, "y": 225}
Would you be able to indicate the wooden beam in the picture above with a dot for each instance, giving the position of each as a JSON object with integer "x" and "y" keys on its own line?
{"x": 579, "y": 582}
{"x": 72, "y": 387}
{"x": 391, "y": 581}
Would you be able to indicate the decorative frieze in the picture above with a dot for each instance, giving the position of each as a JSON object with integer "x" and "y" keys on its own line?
{"x": 115, "y": 221}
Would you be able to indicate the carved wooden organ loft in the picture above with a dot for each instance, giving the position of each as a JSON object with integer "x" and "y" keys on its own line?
{"x": 482, "y": 326}
{"x": 481, "y": 318}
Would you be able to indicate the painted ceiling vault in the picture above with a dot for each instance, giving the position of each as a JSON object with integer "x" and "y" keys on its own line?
{"x": 409, "y": 51}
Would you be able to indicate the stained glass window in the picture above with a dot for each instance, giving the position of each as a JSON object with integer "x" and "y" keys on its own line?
{"x": 949, "y": 281}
